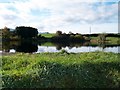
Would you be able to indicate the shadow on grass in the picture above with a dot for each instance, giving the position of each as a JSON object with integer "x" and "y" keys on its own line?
{"x": 54, "y": 75}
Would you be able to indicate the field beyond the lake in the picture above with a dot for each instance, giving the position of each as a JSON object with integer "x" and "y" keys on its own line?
{"x": 61, "y": 70}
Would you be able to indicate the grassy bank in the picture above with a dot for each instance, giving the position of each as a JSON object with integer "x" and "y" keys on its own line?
{"x": 94, "y": 39}
{"x": 113, "y": 40}
{"x": 48, "y": 35}
{"x": 61, "y": 70}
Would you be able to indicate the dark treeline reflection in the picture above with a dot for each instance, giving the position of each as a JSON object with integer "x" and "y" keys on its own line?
{"x": 28, "y": 46}
{"x": 59, "y": 46}
{"x": 20, "y": 46}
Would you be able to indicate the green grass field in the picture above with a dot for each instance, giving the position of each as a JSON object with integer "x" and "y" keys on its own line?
{"x": 49, "y": 35}
{"x": 61, "y": 70}
{"x": 113, "y": 40}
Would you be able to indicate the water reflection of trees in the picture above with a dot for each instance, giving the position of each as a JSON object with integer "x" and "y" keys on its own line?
{"x": 29, "y": 46}
{"x": 59, "y": 46}
{"x": 20, "y": 46}
{"x": 6, "y": 46}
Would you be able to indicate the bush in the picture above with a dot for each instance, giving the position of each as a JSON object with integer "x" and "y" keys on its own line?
{"x": 63, "y": 51}
{"x": 58, "y": 33}
{"x": 78, "y": 36}
{"x": 102, "y": 37}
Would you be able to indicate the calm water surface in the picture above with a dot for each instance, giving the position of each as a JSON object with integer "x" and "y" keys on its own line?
{"x": 74, "y": 49}
{"x": 32, "y": 47}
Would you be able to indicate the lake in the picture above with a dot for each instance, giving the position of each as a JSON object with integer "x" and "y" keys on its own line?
{"x": 29, "y": 47}
{"x": 78, "y": 49}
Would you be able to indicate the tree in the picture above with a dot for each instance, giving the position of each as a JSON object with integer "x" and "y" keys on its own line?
{"x": 78, "y": 36}
{"x": 102, "y": 37}
{"x": 6, "y": 33}
{"x": 26, "y": 32}
{"x": 70, "y": 33}
{"x": 58, "y": 33}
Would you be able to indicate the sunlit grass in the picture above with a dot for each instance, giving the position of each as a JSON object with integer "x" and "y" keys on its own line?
{"x": 48, "y": 35}
{"x": 113, "y": 40}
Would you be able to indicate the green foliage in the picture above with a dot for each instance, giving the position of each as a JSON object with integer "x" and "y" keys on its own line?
{"x": 102, "y": 37}
{"x": 78, "y": 36}
{"x": 6, "y": 33}
{"x": 39, "y": 36}
{"x": 58, "y": 33}
{"x": 86, "y": 38}
{"x": 26, "y": 32}
{"x": 63, "y": 51}
{"x": 113, "y": 40}
{"x": 56, "y": 70}
{"x": 71, "y": 36}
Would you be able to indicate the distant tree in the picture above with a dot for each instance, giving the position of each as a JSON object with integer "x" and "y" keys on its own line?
{"x": 71, "y": 37}
{"x": 86, "y": 38}
{"x": 39, "y": 36}
{"x": 26, "y": 32}
{"x": 6, "y": 33}
{"x": 78, "y": 36}
{"x": 64, "y": 34}
{"x": 77, "y": 33}
{"x": 58, "y": 33}
{"x": 102, "y": 37}
{"x": 70, "y": 33}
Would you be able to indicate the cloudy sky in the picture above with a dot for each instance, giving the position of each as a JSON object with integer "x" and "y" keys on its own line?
{"x": 64, "y": 15}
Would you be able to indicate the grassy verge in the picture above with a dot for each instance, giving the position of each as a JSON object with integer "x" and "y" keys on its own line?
{"x": 49, "y": 35}
{"x": 113, "y": 40}
{"x": 110, "y": 40}
{"x": 61, "y": 70}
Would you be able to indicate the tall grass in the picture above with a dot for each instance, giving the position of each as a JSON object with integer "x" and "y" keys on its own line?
{"x": 61, "y": 70}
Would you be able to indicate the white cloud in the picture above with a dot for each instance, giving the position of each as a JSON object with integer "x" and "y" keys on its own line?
{"x": 61, "y": 13}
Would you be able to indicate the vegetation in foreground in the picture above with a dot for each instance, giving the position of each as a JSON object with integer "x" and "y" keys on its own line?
{"x": 61, "y": 70}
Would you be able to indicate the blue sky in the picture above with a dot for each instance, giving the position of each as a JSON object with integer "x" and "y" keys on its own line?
{"x": 64, "y": 15}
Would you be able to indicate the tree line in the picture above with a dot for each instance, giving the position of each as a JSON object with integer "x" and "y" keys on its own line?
{"x": 23, "y": 32}
{"x": 20, "y": 32}
{"x": 70, "y": 37}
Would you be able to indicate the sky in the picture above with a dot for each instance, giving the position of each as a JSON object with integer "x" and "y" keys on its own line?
{"x": 76, "y": 16}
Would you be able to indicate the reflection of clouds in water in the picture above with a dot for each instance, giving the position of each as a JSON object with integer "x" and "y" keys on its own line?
{"x": 78, "y": 49}
{"x": 12, "y": 51}
{"x": 46, "y": 49}
{"x": 112, "y": 49}
{"x": 92, "y": 49}
{"x": 82, "y": 49}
